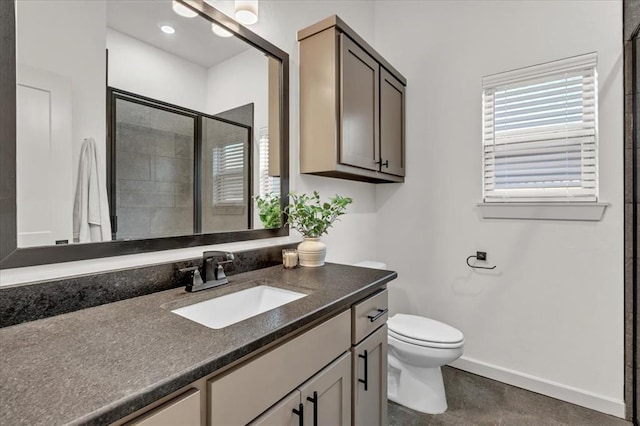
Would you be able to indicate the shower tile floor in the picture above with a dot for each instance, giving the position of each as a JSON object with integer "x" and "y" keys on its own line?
{"x": 475, "y": 400}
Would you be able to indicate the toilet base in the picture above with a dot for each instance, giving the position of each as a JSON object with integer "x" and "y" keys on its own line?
{"x": 421, "y": 389}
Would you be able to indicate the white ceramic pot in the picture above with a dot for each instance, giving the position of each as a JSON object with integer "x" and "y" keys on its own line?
{"x": 311, "y": 252}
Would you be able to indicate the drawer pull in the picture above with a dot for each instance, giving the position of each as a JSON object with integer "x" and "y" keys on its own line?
{"x": 365, "y": 381}
{"x": 314, "y": 401}
{"x": 300, "y": 413}
{"x": 380, "y": 313}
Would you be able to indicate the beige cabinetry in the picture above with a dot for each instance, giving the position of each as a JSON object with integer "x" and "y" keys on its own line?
{"x": 327, "y": 396}
{"x": 370, "y": 380}
{"x": 391, "y": 124}
{"x": 332, "y": 374}
{"x": 352, "y": 107}
{"x": 288, "y": 412}
{"x": 183, "y": 410}
{"x": 244, "y": 393}
{"x": 325, "y": 399}
{"x": 369, "y": 358}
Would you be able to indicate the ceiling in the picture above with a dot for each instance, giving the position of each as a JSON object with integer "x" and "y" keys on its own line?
{"x": 193, "y": 40}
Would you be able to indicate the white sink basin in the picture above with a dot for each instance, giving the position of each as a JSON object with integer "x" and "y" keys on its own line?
{"x": 232, "y": 308}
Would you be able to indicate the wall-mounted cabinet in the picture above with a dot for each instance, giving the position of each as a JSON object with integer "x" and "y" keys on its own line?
{"x": 352, "y": 107}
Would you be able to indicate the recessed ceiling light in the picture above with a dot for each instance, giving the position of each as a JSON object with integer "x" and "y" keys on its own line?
{"x": 219, "y": 31}
{"x": 246, "y": 11}
{"x": 183, "y": 10}
{"x": 167, "y": 29}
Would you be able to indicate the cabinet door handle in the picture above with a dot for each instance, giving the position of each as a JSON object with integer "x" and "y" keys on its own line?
{"x": 300, "y": 413}
{"x": 365, "y": 381}
{"x": 314, "y": 401}
{"x": 381, "y": 163}
{"x": 380, "y": 313}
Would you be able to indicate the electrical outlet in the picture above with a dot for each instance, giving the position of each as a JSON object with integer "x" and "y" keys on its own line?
{"x": 481, "y": 255}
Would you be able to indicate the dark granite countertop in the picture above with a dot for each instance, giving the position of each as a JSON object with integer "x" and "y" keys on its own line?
{"x": 97, "y": 365}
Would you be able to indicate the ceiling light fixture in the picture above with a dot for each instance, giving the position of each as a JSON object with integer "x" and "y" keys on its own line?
{"x": 183, "y": 10}
{"x": 167, "y": 29}
{"x": 246, "y": 11}
{"x": 219, "y": 31}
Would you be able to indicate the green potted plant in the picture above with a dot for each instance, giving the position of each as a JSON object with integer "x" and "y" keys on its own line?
{"x": 269, "y": 210}
{"x": 311, "y": 217}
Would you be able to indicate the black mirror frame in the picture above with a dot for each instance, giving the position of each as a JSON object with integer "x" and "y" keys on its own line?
{"x": 13, "y": 257}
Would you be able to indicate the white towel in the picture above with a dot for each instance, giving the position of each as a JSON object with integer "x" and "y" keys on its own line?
{"x": 91, "y": 209}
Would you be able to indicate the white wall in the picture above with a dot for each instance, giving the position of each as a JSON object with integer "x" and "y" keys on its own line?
{"x": 67, "y": 38}
{"x": 140, "y": 68}
{"x": 238, "y": 81}
{"x": 354, "y": 237}
{"x": 241, "y": 80}
{"x": 550, "y": 317}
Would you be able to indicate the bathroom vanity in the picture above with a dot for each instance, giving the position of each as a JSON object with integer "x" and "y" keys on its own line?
{"x": 320, "y": 359}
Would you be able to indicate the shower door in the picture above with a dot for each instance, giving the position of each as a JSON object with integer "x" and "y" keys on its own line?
{"x": 153, "y": 170}
{"x": 174, "y": 171}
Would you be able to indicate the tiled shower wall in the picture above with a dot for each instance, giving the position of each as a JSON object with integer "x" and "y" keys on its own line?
{"x": 154, "y": 172}
{"x": 632, "y": 192}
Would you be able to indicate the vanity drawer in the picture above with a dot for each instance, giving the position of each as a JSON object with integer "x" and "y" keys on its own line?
{"x": 245, "y": 392}
{"x": 368, "y": 315}
{"x": 183, "y": 410}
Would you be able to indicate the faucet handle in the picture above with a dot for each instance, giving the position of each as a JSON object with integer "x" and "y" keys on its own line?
{"x": 197, "y": 278}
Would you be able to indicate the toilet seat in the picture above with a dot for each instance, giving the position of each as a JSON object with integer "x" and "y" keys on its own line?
{"x": 425, "y": 332}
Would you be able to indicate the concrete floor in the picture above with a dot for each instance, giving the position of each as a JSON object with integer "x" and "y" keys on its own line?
{"x": 475, "y": 400}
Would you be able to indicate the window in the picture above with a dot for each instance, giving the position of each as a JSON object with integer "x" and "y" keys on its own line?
{"x": 540, "y": 133}
{"x": 228, "y": 174}
{"x": 268, "y": 184}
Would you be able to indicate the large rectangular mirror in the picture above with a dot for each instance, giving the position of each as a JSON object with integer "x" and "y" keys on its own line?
{"x": 134, "y": 128}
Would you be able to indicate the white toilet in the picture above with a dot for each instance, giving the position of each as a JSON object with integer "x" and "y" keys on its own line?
{"x": 418, "y": 347}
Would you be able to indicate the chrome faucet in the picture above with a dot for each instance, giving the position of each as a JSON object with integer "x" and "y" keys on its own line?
{"x": 212, "y": 271}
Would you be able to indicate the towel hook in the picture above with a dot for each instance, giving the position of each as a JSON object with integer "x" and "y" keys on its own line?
{"x": 480, "y": 255}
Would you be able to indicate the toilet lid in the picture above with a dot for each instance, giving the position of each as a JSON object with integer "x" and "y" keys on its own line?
{"x": 424, "y": 329}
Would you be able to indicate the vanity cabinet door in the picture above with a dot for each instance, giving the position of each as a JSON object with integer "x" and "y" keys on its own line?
{"x": 370, "y": 380}
{"x": 327, "y": 395}
{"x": 359, "y": 100}
{"x": 282, "y": 414}
{"x": 392, "y": 104}
{"x": 244, "y": 393}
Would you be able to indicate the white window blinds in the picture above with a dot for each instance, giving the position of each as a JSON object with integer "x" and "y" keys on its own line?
{"x": 268, "y": 184}
{"x": 228, "y": 174}
{"x": 540, "y": 132}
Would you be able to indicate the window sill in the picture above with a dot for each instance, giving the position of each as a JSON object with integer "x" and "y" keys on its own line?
{"x": 543, "y": 211}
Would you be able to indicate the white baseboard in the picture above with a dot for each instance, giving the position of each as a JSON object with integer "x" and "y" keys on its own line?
{"x": 556, "y": 390}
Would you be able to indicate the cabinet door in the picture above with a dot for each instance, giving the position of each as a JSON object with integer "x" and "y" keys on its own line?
{"x": 327, "y": 395}
{"x": 391, "y": 124}
{"x": 370, "y": 380}
{"x": 184, "y": 411}
{"x": 359, "y": 100}
{"x": 285, "y": 413}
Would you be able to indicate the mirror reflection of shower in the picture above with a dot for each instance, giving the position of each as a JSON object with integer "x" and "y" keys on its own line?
{"x": 175, "y": 171}
{"x": 65, "y": 65}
